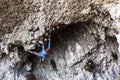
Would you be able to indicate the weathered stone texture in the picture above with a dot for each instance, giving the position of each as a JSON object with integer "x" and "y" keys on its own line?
{"x": 83, "y": 35}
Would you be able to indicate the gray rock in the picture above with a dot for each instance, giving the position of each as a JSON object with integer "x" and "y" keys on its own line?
{"x": 83, "y": 35}
{"x": 118, "y": 78}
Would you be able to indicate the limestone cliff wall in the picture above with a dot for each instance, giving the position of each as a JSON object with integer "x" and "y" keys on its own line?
{"x": 84, "y": 37}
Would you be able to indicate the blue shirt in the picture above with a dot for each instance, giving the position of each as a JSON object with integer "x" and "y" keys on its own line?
{"x": 43, "y": 53}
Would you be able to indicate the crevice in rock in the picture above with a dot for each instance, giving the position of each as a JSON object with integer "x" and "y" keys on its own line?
{"x": 90, "y": 66}
{"x": 114, "y": 55}
{"x": 111, "y": 43}
{"x": 53, "y": 64}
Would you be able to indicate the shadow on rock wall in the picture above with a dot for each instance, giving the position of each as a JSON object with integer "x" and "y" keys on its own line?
{"x": 79, "y": 52}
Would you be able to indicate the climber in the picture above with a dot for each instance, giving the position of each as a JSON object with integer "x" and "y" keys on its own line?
{"x": 44, "y": 52}
{"x": 47, "y": 34}
{"x": 49, "y": 45}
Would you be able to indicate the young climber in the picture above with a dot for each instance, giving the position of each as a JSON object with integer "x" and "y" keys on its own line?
{"x": 48, "y": 48}
{"x": 47, "y": 34}
{"x": 44, "y": 52}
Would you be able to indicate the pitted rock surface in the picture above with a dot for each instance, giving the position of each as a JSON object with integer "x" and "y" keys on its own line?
{"x": 84, "y": 36}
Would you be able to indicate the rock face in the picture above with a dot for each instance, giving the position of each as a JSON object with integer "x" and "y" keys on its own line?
{"x": 84, "y": 37}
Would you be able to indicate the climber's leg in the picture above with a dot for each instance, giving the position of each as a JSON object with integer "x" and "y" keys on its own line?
{"x": 35, "y": 53}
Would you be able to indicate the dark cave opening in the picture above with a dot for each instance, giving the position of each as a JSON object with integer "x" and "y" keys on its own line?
{"x": 68, "y": 32}
{"x": 60, "y": 38}
{"x": 58, "y": 35}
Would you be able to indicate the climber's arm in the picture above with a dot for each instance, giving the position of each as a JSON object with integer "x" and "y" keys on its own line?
{"x": 49, "y": 44}
{"x": 43, "y": 47}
